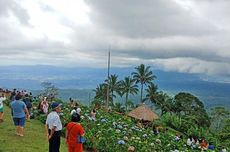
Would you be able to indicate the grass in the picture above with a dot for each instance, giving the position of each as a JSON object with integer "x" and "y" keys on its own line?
{"x": 34, "y": 139}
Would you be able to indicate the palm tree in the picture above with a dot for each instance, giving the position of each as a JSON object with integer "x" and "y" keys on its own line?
{"x": 143, "y": 76}
{"x": 165, "y": 102}
{"x": 101, "y": 92}
{"x": 118, "y": 107}
{"x": 161, "y": 100}
{"x": 152, "y": 93}
{"x": 128, "y": 86}
{"x": 113, "y": 85}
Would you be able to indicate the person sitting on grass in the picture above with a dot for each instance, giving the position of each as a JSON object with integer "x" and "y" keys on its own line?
{"x": 203, "y": 145}
{"x": 190, "y": 141}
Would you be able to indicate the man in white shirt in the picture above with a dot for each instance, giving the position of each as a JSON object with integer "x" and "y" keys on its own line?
{"x": 53, "y": 127}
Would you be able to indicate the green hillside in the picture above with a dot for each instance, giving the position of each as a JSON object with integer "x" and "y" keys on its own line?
{"x": 33, "y": 141}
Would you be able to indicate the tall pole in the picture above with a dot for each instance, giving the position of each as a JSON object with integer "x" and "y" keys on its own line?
{"x": 107, "y": 101}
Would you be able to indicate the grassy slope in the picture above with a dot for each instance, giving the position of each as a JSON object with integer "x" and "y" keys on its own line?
{"x": 33, "y": 141}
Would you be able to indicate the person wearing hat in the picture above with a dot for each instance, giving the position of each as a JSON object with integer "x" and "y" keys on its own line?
{"x": 53, "y": 127}
{"x": 74, "y": 134}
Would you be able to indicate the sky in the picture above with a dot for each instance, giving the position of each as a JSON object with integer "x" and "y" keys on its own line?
{"x": 191, "y": 36}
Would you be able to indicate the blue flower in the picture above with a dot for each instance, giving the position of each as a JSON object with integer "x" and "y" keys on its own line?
{"x": 119, "y": 126}
{"x": 103, "y": 120}
{"x": 121, "y": 142}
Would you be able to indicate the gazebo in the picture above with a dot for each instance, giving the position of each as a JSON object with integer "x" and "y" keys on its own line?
{"x": 143, "y": 112}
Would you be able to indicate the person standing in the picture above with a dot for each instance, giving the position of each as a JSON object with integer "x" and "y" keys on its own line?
{"x": 74, "y": 134}
{"x": 27, "y": 100}
{"x": 2, "y": 98}
{"x": 19, "y": 117}
{"x": 53, "y": 127}
{"x": 93, "y": 115}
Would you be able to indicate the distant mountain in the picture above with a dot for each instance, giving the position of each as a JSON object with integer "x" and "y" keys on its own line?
{"x": 31, "y": 77}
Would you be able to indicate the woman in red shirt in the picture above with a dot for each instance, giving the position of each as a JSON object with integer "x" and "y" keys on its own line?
{"x": 74, "y": 131}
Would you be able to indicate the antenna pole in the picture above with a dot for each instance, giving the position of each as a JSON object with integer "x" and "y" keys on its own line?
{"x": 107, "y": 101}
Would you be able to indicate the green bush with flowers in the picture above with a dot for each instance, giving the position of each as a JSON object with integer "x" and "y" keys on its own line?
{"x": 115, "y": 132}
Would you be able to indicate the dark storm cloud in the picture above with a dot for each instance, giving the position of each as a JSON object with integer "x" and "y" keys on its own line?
{"x": 147, "y": 19}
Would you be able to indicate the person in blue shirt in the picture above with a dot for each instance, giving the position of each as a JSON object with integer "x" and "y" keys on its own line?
{"x": 20, "y": 113}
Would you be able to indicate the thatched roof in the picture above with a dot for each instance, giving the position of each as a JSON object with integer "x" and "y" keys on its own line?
{"x": 143, "y": 112}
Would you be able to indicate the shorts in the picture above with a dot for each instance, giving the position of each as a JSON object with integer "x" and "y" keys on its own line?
{"x": 19, "y": 121}
{"x": 1, "y": 110}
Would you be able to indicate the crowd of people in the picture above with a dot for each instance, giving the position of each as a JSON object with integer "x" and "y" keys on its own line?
{"x": 21, "y": 104}
{"x": 195, "y": 143}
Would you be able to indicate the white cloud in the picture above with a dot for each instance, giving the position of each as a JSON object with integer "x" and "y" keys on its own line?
{"x": 192, "y": 65}
{"x": 182, "y": 35}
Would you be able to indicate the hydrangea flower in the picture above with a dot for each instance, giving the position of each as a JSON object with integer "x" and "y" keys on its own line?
{"x": 124, "y": 132}
{"x": 103, "y": 120}
{"x": 118, "y": 131}
{"x": 119, "y": 126}
{"x": 152, "y": 144}
{"x": 131, "y": 148}
{"x": 126, "y": 138}
{"x": 145, "y": 135}
{"x": 158, "y": 141}
{"x": 132, "y": 138}
{"x": 121, "y": 142}
{"x": 133, "y": 128}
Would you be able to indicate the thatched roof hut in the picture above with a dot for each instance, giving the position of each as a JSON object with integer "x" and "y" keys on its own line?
{"x": 143, "y": 112}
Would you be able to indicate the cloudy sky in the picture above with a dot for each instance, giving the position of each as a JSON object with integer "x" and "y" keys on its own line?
{"x": 175, "y": 35}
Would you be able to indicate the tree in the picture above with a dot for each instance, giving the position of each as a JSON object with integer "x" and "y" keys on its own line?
{"x": 50, "y": 91}
{"x": 127, "y": 87}
{"x": 188, "y": 105}
{"x": 161, "y": 100}
{"x": 118, "y": 107}
{"x": 218, "y": 115}
{"x": 152, "y": 94}
{"x": 166, "y": 102}
{"x": 143, "y": 76}
{"x": 114, "y": 86}
{"x": 224, "y": 134}
{"x": 130, "y": 104}
{"x": 101, "y": 93}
